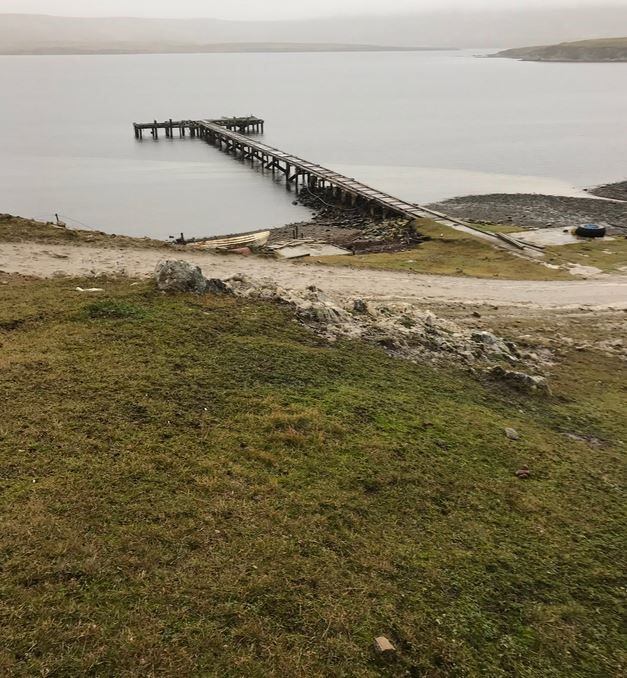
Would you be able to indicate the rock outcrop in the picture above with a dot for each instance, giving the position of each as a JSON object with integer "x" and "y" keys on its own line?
{"x": 403, "y": 330}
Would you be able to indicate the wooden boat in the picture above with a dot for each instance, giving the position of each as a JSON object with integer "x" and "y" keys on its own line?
{"x": 232, "y": 242}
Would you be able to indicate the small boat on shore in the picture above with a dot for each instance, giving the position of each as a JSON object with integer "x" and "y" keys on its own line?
{"x": 257, "y": 239}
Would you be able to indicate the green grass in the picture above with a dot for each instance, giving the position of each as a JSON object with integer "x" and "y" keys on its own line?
{"x": 197, "y": 486}
{"x": 499, "y": 228}
{"x": 608, "y": 255}
{"x": 17, "y": 229}
{"x": 451, "y": 252}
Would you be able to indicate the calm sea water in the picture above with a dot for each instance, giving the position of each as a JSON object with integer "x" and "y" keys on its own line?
{"x": 424, "y": 126}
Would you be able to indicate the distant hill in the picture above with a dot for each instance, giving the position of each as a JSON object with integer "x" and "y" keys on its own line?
{"x": 42, "y": 34}
{"x": 213, "y": 48}
{"x": 608, "y": 49}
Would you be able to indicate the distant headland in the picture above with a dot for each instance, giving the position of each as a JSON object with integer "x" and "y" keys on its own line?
{"x": 590, "y": 51}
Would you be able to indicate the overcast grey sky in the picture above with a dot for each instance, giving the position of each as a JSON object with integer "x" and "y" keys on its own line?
{"x": 265, "y": 9}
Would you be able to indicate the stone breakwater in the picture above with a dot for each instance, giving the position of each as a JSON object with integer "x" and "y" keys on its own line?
{"x": 402, "y": 330}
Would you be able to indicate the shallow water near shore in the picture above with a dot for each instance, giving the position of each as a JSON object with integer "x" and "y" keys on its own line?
{"x": 424, "y": 125}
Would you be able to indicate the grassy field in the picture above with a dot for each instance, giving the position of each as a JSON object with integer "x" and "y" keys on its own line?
{"x": 17, "y": 229}
{"x": 197, "y": 486}
{"x": 498, "y": 228}
{"x": 608, "y": 255}
{"x": 451, "y": 252}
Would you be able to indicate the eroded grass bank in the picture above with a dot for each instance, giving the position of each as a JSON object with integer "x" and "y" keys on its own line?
{"x": 199, "y": 486}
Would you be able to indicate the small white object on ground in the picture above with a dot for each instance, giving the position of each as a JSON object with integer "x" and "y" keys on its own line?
{"x": 296, "y": 251}
{"x": 382, "y": 644}
{"x": 512, "y": 434}
{"x": 90, "y": 289}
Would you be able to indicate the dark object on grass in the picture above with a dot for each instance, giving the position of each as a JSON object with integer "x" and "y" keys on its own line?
{"x": 590, "y": 231}
{"x": 523, "y": 473}
{"x": 360, "y": 306}
{"x": 521, "y": 381}
{"x": 217, "y": 286}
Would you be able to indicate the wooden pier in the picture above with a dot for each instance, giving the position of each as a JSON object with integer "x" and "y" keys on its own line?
{"x": 246, "y": 125}
{"x": 232, "y": 135}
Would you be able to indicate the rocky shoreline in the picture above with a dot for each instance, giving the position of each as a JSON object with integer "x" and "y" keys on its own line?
{"x": 530, "y": 210}
{"x": 350, "y": 227}
{"x": 615, "y": 191}
{"x": 355, "y": 229}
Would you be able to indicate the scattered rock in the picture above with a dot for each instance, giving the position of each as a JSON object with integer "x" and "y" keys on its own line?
{"x": 526, "y": 382}
{"x": 512, "y": 434}
{"x": 383, "y": 645}
{"x": 591, "y": 440}
{"x": 179, "y": 276}
{"x": 492, "y": 344}
{"x": 523, "y": 473}
{"x": 404, "y": 330}
{"x": 217, "y": 286}
{"x": 360, "y": 306}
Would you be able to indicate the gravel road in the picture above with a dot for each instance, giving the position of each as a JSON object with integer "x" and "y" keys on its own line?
{"x": 43, "y": 260}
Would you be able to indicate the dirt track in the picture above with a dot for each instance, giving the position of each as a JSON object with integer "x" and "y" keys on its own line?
{"x": 43, "y": 260}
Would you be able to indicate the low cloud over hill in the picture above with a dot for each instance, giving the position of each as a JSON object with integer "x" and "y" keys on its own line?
{"x": 505, "y": 28}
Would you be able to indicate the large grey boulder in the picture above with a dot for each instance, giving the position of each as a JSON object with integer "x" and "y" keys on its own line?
{"x": 179, "y": 276}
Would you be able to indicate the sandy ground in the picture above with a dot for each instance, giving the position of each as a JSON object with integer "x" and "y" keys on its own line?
{"x": 43, "y": 260}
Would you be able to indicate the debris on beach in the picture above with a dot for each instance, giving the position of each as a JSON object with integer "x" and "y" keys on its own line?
{"x": 298, "y": 249}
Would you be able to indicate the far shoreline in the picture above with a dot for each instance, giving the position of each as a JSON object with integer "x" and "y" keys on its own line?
{"x": 221, "y": 48}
